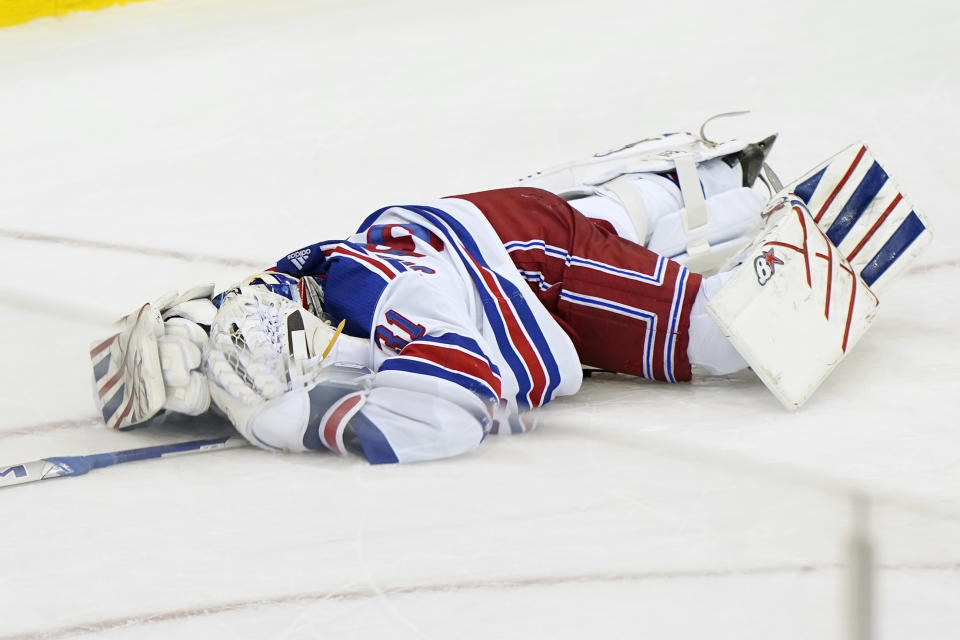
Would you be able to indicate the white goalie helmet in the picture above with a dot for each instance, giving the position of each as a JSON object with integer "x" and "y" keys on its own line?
{"x": 266, "y": 341}
{"x": 306, "y": 290}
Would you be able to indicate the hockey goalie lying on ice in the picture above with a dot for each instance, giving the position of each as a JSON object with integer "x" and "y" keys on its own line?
{"x": 440, "y": 322}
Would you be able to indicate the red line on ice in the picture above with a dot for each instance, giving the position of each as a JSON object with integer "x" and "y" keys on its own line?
{"x": 521, "y": 582}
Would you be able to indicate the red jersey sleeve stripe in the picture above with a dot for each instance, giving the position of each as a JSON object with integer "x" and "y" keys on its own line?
{"x": 457, "y": 360}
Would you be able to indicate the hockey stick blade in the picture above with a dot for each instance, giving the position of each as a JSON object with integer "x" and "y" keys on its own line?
{"x": 60, "y": 466}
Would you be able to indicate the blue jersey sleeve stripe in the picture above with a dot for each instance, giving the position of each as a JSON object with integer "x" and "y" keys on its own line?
{"x": 370, "y": 219}
{"x": 376, "y": 447}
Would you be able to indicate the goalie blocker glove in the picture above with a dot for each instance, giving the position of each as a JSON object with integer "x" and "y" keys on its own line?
{"x": 153, "y": 363}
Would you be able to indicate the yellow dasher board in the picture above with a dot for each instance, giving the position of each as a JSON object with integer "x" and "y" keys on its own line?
{"x": 19, "y": 11}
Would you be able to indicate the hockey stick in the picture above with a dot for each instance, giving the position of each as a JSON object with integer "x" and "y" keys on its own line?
{"x": 57, "y": 467}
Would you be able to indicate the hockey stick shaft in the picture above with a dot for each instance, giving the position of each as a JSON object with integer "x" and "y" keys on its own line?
{"x": 57, "y": 467}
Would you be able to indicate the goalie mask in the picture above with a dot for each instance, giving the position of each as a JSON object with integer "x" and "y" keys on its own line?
{"x": 263, "y": 346}
{"x": 306, "y": 290}
{"x": 264, "y": 341}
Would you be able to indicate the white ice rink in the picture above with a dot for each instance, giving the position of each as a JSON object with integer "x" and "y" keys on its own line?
{"x": 156, "y": 145}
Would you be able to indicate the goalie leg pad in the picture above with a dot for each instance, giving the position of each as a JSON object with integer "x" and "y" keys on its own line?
{"x": 734, "y": 219}
{"x": 864, "y": 213}
{"x": 795, "y": 307}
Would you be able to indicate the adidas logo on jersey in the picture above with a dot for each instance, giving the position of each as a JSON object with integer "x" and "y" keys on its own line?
{"x": 299, "y": 258}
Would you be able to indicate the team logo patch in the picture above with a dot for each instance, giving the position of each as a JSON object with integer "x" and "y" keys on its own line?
{"x": 765, "y": 266}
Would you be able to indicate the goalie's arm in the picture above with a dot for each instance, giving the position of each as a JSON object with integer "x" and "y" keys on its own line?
{"x": 434, "y": 399}
{"x": 385, "y": 417}
{"x": 432, "y": 396}
{"x": 397, "y": 425}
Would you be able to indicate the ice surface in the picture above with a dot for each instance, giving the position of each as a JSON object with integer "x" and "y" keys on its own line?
{"x": 236, "y": 131}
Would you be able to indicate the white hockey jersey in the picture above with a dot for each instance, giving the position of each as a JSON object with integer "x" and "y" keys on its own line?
{"x": 460, "y": 346}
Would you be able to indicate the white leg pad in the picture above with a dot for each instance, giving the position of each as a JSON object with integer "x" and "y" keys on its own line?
{"x": 795, "y": 307}
{"x": 865, "y": 214}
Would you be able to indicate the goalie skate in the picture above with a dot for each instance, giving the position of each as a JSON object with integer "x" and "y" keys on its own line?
{"x": 128, "y": 382}
{"x": 678, "y": 156}
{"x": 650, "y": 155}
{"x": 865, "y": 214}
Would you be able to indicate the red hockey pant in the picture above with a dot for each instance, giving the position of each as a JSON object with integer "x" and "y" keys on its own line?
{"x": 625, "y": 308}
